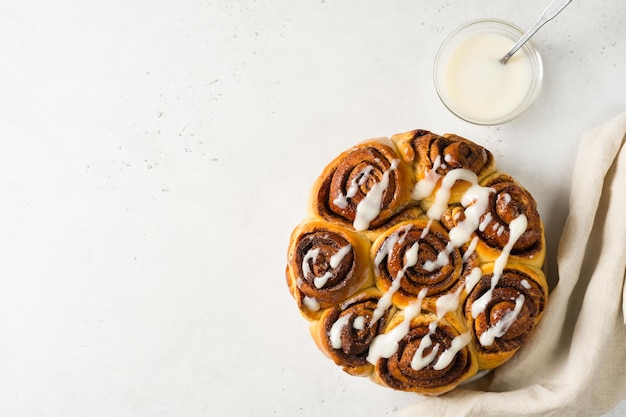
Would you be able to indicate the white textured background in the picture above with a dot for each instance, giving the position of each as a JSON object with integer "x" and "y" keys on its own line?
{"x": 155, "y": 156}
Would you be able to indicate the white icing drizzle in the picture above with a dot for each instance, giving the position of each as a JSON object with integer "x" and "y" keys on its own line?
{"x": 426, "y": 229}
{"x": 369, "y": 207}
{"x": 441, "y": 261}
{"x": 335, "y": 331}
{"x": 427, "y": 185}
{"x": 501, "y": 327}
{"x": 470, "y": 249}
{"x": 385, "y": 301}
{"x": 507, "y": 198}
{"x": 336, "y": 259}
{"x": 472, "y": 279}
{"x": 411, "y": 256}
{"x": 458, "y": 343}
{"x": 342, "y": 200}
{"x": 448, "y": 302}
{"x": 517, "y": 227}
{"x": 334, "y": 262}
{"x": 526, "y": 284}
{"x": 483, "y": 225}
{"x": 476, "y": 201}
{"x": 359, "y": 323}
{"x": 319, "y": 282}
{"x": 387, "y": 248}
{"x": 443, "y": 194}
{"x": 386, "y": 344}
{"x": 311, "y": 303}
{"x": 310, "y": 255}
{"x": 480, "y": 304}
{"x": 419, "y": 361}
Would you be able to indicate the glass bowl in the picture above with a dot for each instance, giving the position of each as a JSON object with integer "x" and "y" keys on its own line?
{"x": 474, "y": 85}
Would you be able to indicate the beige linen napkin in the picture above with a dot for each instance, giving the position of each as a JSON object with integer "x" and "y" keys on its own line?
{"x": 575, "y": 364}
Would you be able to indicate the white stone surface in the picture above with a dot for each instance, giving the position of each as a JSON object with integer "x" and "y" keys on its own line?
{"x": 155, "y": 156}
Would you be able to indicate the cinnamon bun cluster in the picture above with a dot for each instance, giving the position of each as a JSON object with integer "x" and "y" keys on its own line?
{"x": 419, "y": 263}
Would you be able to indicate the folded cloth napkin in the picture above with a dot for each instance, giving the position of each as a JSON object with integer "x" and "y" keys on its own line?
{"x": 575, "y": 364}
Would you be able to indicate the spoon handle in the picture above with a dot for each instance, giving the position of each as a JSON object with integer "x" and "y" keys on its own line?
{"x": 549, "y": 13}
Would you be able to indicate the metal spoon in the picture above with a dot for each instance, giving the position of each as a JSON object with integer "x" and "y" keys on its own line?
{"x": 550, "y": 13}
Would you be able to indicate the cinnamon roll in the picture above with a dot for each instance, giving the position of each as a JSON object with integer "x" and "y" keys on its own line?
{"x": 345, "y": 332}
{"x": 415, "y": 255}
{"x": 326, "y": 264}
{"x": 433, "y": 356}
{"x": 507, "y": 202}
{"x": 503, "y": 309}
{"x": 364, "y": 186}
{"x": 433, "y": 156}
